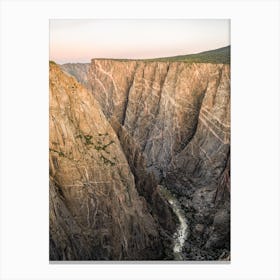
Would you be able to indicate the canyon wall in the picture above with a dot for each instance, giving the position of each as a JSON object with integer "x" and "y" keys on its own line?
{"x": 96, "y": 212}
{"x": 177, "y": 113}
{"x": 173, "y": 123}
{"x": 77, "y": 70}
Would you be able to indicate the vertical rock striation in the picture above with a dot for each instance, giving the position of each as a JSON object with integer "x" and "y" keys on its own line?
{"x": 95, "y": 210}
{"x": 173, "y": 123}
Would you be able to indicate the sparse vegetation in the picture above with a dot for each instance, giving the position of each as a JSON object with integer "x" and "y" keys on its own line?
{"x": 88, "y": 139}
{"x": 99, "y": 146}
{"x": 107, "y": 161}
{"x": 221, "y": 55}
{"x": 60, "y": 153}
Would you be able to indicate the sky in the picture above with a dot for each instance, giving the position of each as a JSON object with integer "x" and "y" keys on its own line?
{"x": 80, "y": 40}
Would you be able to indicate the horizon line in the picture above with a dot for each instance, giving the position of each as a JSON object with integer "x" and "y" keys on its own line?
{"x": 139, "y": 59}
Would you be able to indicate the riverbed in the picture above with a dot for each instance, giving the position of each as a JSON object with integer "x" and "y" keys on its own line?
{"x": 181, "y": 233}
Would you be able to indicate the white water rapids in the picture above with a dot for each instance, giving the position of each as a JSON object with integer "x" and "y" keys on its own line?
{"x": 181, "y": 233}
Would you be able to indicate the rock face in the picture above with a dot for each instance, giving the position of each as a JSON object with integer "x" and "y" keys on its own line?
{"x": 187, "y": 105}
{"x": 172, "y": 120}
{"x": 77, "y": 70}
{"x": 95, "y": 210}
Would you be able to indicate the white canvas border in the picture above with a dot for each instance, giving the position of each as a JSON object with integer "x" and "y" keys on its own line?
{"x": 24, "y": 138}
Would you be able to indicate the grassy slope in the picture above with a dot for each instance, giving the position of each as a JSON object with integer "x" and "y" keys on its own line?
{"x": 221, "y": 55}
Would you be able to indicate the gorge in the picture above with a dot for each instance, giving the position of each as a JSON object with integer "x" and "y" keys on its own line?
{"x": 140, "y": 159}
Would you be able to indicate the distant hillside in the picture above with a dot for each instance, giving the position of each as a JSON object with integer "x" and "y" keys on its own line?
{"x": 221, "y": 55}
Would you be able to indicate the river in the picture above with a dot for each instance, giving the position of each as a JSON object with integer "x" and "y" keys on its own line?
{"x": 181, "y": 234}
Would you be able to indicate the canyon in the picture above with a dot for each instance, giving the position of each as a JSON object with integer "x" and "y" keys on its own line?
{"x": 140, "y": 160}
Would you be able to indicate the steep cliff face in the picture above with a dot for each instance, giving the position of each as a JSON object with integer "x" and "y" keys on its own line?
{"x": 77, "y": 70}
{"x": 175, "y": 117}
{"x": 204, "y": 156}
{"x": 95, "y": 210}
{"x": 178, "y": 113}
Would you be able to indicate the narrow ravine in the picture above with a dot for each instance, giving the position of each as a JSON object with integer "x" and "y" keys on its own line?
{"x": 181, "y": 234}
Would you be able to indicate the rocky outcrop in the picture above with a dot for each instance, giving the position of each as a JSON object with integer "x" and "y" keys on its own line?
{"x": 173, "y": 123}
{"x": 96, "y": 212}
{"x": 77, "y": 70}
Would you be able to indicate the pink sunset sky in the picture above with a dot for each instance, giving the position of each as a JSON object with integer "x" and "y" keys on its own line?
{"x": 80, "y": 40}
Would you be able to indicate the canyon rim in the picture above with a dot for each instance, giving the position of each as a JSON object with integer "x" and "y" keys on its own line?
{"x": 139, "y": 148}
